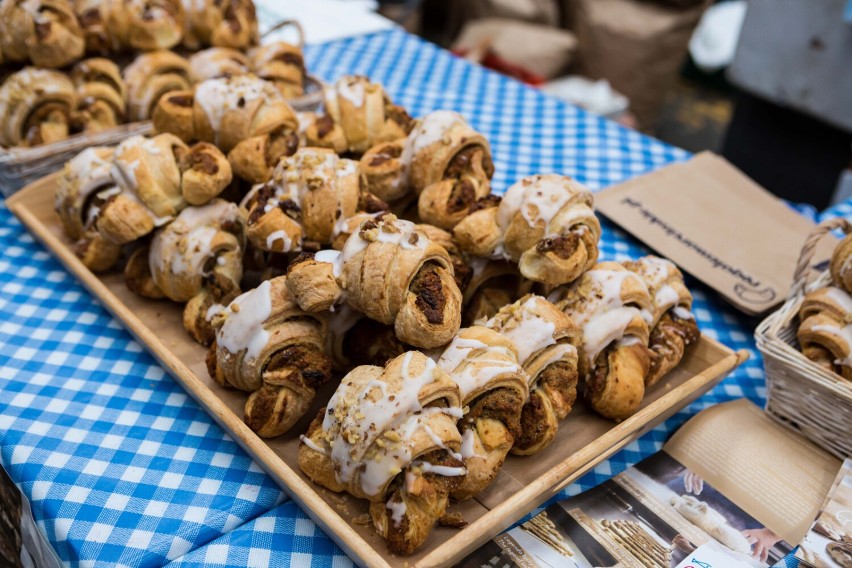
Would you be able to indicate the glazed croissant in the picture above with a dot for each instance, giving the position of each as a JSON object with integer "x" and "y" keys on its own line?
{"x": 545, "y": 223}
{"x": 149, "y": 77}
{"x": 283, "y": 65}
{"x": 43, "y": 32}
{"x": 101, "y": 95}
{"x": 85, "y": 184}
{"x": 216, "y": 62}
{"x": 546, "y": 342}
{"x": 308, "y": 194}
{"x": 493, "y": 386}
{"x": 35, "y": 107}
{"x": 389, "y": 435}
{"x": 267, "y": 346}
{"x": 221, "y": 24}
{"x": 124, "y": 25}
{"x": 393, "y": 274}
{"x": 198, "y": 259}
{"x": 825, "y": 331}
{"x": 612, "y": 307}
{"x": 159, "y": 176}
{"x": 244, "y": 116}
{"x": 358, "y": 116}
{"x": 841, "y": 264}
{"x": 443, "y": 160}
{"x": 673, "y": 325}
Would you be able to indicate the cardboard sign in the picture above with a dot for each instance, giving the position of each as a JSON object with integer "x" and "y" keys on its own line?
{"x": 718, "y": 225}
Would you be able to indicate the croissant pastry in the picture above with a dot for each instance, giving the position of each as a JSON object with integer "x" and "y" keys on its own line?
{"x": 443, "y": 160}
{"x": 149, "y": 77}
{"x": 216, "y": 62}
{"x": 612, "y": 307}
{"x": 198, "y": 259}
{"x": 283, "y": 65}
{"x": 85, "y": 184}
{"x": 825, "y": 331}
{"x": 545, "y": 339}
{"x": 392, "y": 273}
{"x": 267, "y": 346}
{"x": 124, "y": 25}
{"x": 159, "y": 176}
{"x": 461, "y": 270}
{"x": 35, "y": 107}
{"x": 43, "y": 32}
{"x": 309, "y": 193}
{"x": 841, "y": 264}
{"x": 389, "y": 435}
{"x": 222, "y": 24}
{"x": 493, "y": 387}
{"x": 101, "y": 95}
{"x": 545, "y": 223}
{"x": 673, "y": 325}
{"x": 358, "y": 116}
{"x": 244, "y": 116}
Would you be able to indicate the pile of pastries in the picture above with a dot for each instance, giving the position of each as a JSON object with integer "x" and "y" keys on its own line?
{"x": 362, "y": 245}
{"x": 825, "y": 317}
{"x": 61, "y": 73}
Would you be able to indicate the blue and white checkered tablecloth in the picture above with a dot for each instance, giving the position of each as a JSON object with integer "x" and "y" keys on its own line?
{"x": 123, "y": 468}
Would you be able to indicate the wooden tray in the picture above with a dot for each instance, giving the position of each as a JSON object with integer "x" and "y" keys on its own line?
{"x": 583, "y": 441}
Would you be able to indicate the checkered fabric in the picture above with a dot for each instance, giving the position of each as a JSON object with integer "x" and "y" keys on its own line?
{"x": 123, "y": 468}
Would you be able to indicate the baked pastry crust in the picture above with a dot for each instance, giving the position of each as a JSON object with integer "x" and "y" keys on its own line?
{"x": 35, "y": 107}
{"x": 493, "y": 387}
{"x": 149, "y": 77}
{"x": 43, "y": 32}
{"x": 283, "y": 65}
{"x": 230, "y": 24}
{"x": 841, "y": 264}
{"x": 393, "y": 274}
{"x": 389, "y": 435}
{"x": 101, "y": 95}
{"x": 612, "y": 307}
{"x": 825, "y": 331}
{"x": 672, "y": 325}
{"x": 546, "y": 340}
{"x": 545, "y": 223}
{"x": 267, "y": 346}
{"x": 125, "y": 25}
{"x": 216, "y": 62}
{"x": 84, "y": 186}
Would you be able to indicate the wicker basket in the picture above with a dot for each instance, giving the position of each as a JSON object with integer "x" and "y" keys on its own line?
{"x": 800, "y": 393}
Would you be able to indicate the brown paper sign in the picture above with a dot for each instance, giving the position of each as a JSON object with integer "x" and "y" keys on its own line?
{"x": 718, "y": 225}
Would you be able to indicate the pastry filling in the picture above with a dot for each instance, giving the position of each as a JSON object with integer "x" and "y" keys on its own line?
{"x": 563, "y": 247}
{"x": 487, "y": 202}
{"x": 431, "y": 298}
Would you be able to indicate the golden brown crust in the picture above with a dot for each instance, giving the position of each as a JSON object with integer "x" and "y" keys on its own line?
{"x": 215, "y": 62}
{"x": 612, "y": 307}
{"x": 841, "y": 264}
{"x": 825, "y": 328}
{"x": 149, "y": 77}
{"x": 359, "y": 115}
{"x": 283, "y": 65}
{"x": 267, "y": 346}
{"x": 44, "y": 32}
{"x": 35, "y": 107}
{"x": 123, "y": 25}
{"x": 101, "y": 95}
{"x": 231, "y": 24}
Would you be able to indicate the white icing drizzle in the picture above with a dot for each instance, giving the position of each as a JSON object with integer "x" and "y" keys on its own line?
{"x": 468, "y": 445}
{"x": 531, "y": 334}
{"x": 351, "y": 88}
{"x": 243, "y": 327}
{"x": 472, "y": 371}
{"x": 217, "y": 96}
{"x": 839, "y": 297}
{"x": 604, "y": 318}
{"x": 539, "y": 199}
{"x": 397, "y": 509}
{"x": 372, "y": 416}
{"x": 666, "y": 297}
{"x": 213, "y": 311}
{"x": 310, "y": 443}
{"x": 445, "y": 470}
{"x": 682, "y": 313}
{"x": 401, "y": 234}
{"x": 330, "y": 257}
{"x": 280, "y": 235}
{"x": 430, "y": 129}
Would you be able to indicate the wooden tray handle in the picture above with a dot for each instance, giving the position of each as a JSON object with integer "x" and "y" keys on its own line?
{"x": 800, "y": 277}
{"x": 283, "y": 24}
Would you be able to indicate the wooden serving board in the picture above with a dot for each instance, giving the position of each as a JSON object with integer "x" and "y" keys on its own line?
{"x": 584, "y": 439}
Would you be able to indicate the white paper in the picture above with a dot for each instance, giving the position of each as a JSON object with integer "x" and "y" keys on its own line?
{"x": 321, "y": 20}
{"x": 711, "y": 556}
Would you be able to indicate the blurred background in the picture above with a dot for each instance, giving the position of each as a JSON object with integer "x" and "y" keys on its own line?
{"x": 765, "y": 83}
